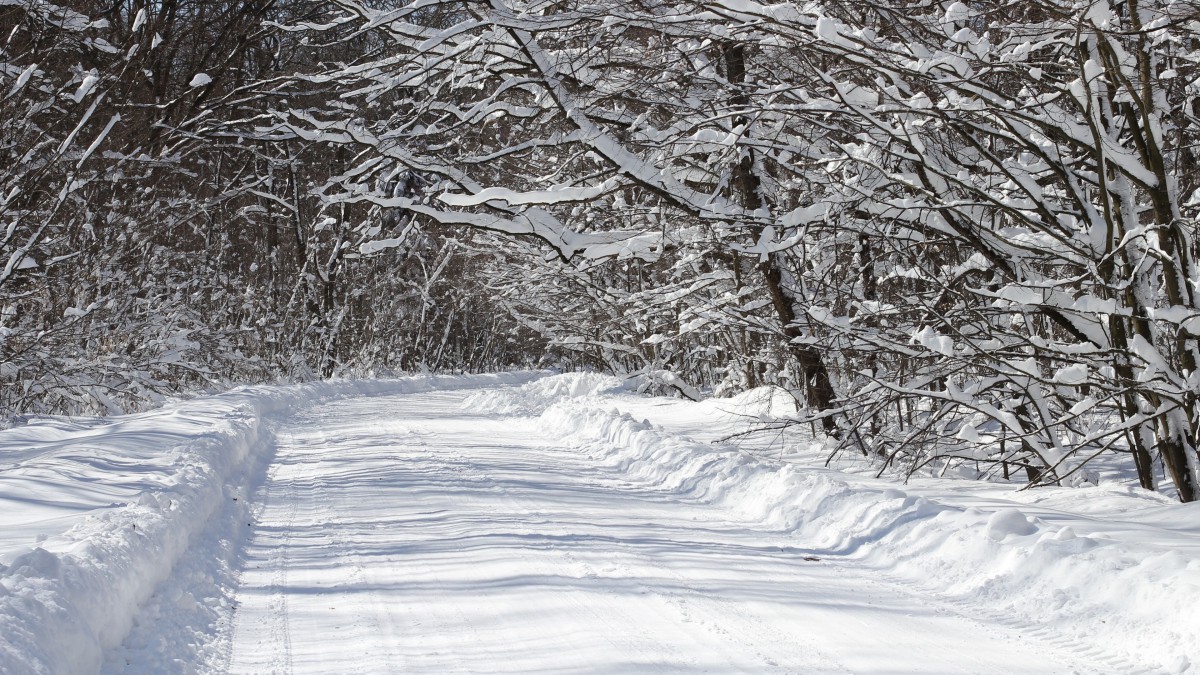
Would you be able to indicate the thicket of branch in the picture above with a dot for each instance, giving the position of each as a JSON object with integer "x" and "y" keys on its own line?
{"x": 960, "y": 233}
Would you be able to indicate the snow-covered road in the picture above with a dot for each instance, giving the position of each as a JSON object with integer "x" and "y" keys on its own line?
{"x": 523, "y": 522}
{"x": 408, "y": 534}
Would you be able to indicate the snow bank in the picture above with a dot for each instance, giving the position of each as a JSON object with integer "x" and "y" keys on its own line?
{"x": 534, "y": 397}
{"x": 1136, "y": 592}
{"x": 62, "y": 603}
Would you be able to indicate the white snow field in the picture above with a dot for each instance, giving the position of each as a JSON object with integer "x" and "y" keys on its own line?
{"x": 557, "y": 524}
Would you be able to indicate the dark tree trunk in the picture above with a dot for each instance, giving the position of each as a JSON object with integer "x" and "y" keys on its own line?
{"x": 818, "y": 385}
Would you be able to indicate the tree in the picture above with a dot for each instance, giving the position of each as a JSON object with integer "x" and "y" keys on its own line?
{"x": 960, "y": 234}
{"x": 1009, "y": 219}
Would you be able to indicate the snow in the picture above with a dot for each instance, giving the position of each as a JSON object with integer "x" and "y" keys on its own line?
{"x": 200, "y": 80}
{"x": 957, "y": 12}
{"x": 1073, "y": 375}
{"x": 554, "y": 195}
{"x": 23, "y": 78}
{"x": 96, "y": 513}
{"x": 827, "y": 29}
{"x": 1111, "y": 568}
{"x": 559, "y": 523}
{"x": 929, "y": 338}
{"x": 85, "y": 87}
{"x": 377, "y": 245}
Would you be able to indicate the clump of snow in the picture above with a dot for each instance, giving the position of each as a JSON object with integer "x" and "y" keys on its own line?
{"x": 200, "y": 80}
{"x": 377, "y": 245}
{"x": 957, "y": 12}
{"x": 86, "y": 87}
{"x": 23, "y": 78}
{"x": 930, "y": 339}
{"x": 1008, "y": 522}
{"x": 1073, "y": 375}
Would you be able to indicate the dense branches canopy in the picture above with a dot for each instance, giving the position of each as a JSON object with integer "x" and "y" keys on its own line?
{"x": 962, "y": 235}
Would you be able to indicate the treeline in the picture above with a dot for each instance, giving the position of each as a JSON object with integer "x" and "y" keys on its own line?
{"x": 962, "y": 234}
{"x": 154, "y": 240}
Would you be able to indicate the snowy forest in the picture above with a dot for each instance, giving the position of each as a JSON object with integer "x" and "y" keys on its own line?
{"x": 955, "y": 232}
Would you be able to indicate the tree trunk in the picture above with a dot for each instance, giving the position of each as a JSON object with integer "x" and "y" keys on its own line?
{"x": 818, "y": 385}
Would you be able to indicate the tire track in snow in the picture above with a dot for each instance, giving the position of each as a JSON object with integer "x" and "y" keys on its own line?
{"x": 273, "y": 624}
{"x": 617, "y": 620}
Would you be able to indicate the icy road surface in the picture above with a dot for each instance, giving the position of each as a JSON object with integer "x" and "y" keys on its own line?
{"x": 407, "y": 534}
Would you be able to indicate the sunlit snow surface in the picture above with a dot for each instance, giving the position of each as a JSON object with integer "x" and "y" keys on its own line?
{"x": 477, "y": 525}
